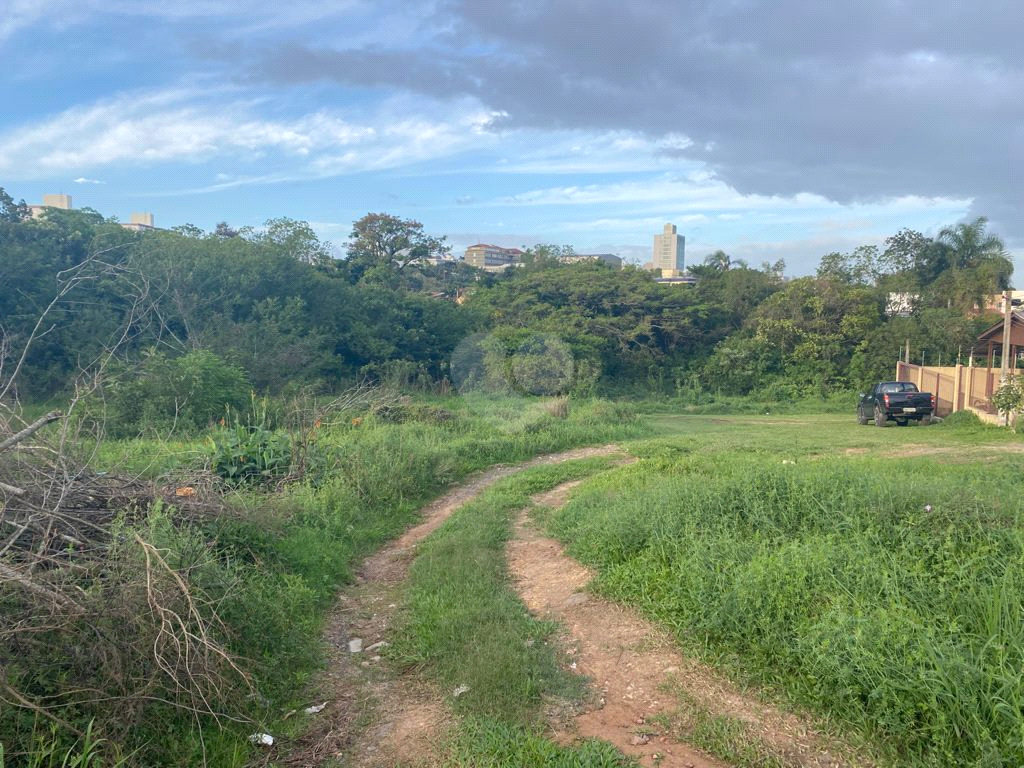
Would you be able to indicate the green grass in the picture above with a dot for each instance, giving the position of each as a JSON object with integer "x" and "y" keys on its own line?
{"x": 724, "y": 736}
{"x": 825, "y": 577}
{"x": 882, "y": 591}
{"x": 466, "y": 625}
{"x": 489, "y": 743}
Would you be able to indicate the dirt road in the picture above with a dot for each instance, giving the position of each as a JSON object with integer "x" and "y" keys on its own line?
{"x": 634, "y": 667}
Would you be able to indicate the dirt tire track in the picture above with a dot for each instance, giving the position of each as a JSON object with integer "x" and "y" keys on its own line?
{"x": 631, "y": 661}
{"x": 410, "y": 722}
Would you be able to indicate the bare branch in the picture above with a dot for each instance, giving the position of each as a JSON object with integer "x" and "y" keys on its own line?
{"x": 30, "y": 430}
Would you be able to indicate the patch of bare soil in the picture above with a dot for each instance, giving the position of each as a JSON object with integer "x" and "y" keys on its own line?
{"x": 635, "y": 666}
{"x": 956, "y": 452}
{"x": 375, "y": 718}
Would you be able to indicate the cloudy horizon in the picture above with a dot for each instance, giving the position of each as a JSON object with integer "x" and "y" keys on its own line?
{"x": 769, "y": 130}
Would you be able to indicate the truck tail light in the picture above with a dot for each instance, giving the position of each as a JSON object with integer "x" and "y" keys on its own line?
{"x": 886, "y": 398}
{"x": 933, "y": 401}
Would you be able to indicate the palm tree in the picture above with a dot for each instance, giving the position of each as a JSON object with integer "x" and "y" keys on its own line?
{"x": 718, "y": 260}
{"x": 970, "y": 245}
{"x": 978, "y": 261}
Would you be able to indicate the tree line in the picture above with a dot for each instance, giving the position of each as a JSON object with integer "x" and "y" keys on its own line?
{"x": 218, "y": 314}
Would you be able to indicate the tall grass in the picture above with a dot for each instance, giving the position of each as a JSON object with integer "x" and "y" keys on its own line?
{"x": 489, "y": 743}
{"x": 885, "y": 592}
{"x": 272, "y": 566}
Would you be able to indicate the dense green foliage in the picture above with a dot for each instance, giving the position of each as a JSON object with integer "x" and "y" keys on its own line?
{"x": 884, "y": 591}
{"x": 273, "y": 304}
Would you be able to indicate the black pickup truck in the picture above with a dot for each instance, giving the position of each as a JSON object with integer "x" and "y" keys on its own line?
{"x": 896, "y": 400}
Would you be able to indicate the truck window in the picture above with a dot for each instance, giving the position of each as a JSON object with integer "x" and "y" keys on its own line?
{"x": 898, "y": 386}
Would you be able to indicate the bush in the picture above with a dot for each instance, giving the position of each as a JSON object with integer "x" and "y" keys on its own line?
{"x": 963, "y": 420}
{"x": 185, "y": 393}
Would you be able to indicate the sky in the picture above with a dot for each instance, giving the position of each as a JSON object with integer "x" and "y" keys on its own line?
{"x": 780, "y": 129}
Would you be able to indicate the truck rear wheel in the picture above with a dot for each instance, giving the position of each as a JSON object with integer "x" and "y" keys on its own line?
{"x": 879, "y": 417}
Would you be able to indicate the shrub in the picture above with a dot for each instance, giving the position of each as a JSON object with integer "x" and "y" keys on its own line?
{"x": 187, "y": 393}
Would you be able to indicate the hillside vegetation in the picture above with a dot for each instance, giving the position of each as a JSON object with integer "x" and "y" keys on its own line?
{"x": 183, "y": 322}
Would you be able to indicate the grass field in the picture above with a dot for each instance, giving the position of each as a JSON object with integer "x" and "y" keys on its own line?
{"x": 873, "y": 575}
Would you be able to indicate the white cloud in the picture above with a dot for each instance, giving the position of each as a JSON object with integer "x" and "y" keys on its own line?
{"x": 183, "y": 126}
{"x": 708, "y": 194}
{"x": 576, "y": 152}
{"x": 83, "y": 180}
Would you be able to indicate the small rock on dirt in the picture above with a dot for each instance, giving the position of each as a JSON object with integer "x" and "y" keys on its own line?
{"x": 355, "y": 645}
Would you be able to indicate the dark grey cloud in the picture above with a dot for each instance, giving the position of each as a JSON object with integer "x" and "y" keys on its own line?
{"x": 854, "y": 101}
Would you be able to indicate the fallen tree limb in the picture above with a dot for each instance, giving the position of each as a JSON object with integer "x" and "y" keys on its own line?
{"x": 12, "y": 490}
{"x": 30, "y": 430}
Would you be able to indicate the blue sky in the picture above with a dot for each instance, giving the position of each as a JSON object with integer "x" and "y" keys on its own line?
{"x": 782, "y": 129}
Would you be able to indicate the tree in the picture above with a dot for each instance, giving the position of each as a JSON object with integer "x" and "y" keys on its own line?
{"x": 380, "y": 241}
{"x": 719, "y": 260}
{"x": 223, "y": 229}
{"x": 860, "y": 267}
{"x": 620, "y": 323}
{"x": 545, "y": 255}
{"x": 979, "y": 266}
{"x": 10, "y": 211}
{"x": 298, "y": 240}
{"x": 970, "y": 246}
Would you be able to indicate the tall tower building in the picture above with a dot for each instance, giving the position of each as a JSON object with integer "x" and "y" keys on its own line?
{"x": 669, "y": 252}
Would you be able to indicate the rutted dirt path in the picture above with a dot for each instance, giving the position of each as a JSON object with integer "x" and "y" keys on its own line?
{"x": 409, "y": 720}
{"x": 635, "y": 666}
{"x": 375, "y": 719}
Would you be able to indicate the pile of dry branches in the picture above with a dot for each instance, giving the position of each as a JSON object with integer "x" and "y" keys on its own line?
{"x": 95, "y": 622}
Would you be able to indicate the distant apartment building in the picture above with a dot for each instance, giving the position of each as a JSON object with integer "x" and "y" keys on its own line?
{"x": 492, "y": 258}
{"x": 669, "y": 252}
{"x": 137, "y": 223}
{"x": 50, "y": 201}
{"x": 140, "y": 222}
{"x": 613, "y": 261}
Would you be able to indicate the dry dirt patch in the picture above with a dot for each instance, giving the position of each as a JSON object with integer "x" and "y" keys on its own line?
{"x": 633, "y": 665}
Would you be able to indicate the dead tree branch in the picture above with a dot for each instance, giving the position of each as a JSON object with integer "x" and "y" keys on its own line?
{"x": 30, "y": 430}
